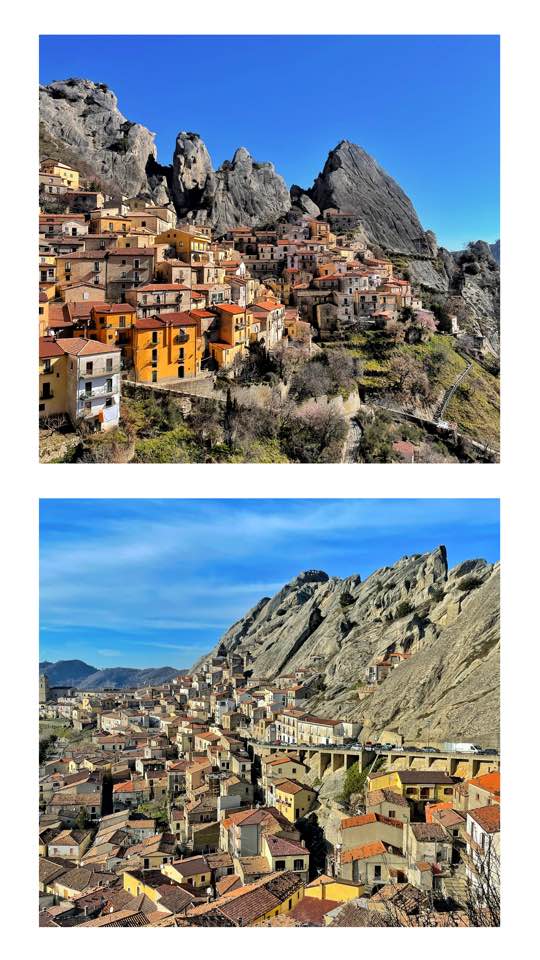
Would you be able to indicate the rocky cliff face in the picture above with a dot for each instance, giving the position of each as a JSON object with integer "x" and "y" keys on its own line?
{"x": 351, "y": 180}
{"x": 83, "y": 118}
{"x": 448, "y": 621}
{"x": 241, "y": 192}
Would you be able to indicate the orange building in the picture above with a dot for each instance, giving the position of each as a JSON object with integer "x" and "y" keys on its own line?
{"x": 166, "y": 348}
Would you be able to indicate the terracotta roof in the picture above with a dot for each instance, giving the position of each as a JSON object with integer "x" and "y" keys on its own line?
{"x": 161, "y": 286}
{"x": 428, "y": 832}
{"x": 488, "y": 818}
{"x": 49, "y": 348}
{"x": 488, "y": 781}
{"x": 227, "y": 884}
{"x": 280, "y": 847}
{"x": 366, "y": 818}
{"x": 112, "y": 307}
{"x": 311, "y": 911}
{"x": 77, "y": 346}
{"x": 424, "y": 776}
{"x": 374, "y": 797}
{"x": 377, "y": 848}
{"x": 233, "y": 308}
{"x": 291, "y": 786}
{"x": 191, "y": 866}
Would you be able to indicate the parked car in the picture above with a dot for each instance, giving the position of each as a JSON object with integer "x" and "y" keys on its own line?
{"x": 430, "y": 749}
{"x": 490, "y": 751}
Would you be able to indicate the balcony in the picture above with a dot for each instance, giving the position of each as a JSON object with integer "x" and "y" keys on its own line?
{"x": 48, "y": 396}
{"x": 181, "y": 338}
{"x": 100, "y": 393}
{"x": 102, "y": 372}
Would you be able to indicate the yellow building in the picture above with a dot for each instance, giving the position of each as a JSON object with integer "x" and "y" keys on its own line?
{"x": 332, "y": 888}
{"x": 193, "y": 871}
{"x": 414, "y": 785}
{"x": 188, "y": 244}
{"x": 246, "y": 908}
{"x": 104, "y": 222}
{"x": 52, "y": 379}
{"x": 165, "y": 348}
{"x": 54, "y": 168}
{"x": 112, "y": 322}
{"x": 43, "y": 313}
{"x": 293, "y": 799}
{"x": 233, "y": 334}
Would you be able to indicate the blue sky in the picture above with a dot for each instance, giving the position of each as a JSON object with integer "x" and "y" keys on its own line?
{"x": 156, "y": 582}
{"x": 426, "y": 107}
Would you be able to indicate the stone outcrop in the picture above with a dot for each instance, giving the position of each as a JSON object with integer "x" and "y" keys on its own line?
{"x": 83, "y": 118}
{"x": 448, "y": 621}
{"x": 352, "y": 180}
{"x": 241, "y": 192}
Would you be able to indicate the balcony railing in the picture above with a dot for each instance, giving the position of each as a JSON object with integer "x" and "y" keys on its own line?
{"x": 97, "y": 394}
{"x": 104, "y": 372}
{"x": 48, "y": 396}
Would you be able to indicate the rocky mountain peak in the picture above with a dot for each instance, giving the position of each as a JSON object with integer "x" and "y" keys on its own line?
{"x": 82, "y": 117}
{"x": 353, "y": 181}
{"x": 443, "y": 623}
{"x": 242, "y": 192}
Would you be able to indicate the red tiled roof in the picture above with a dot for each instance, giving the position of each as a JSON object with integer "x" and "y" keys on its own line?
{"x": 488, "y": 818}
{"x": 377, "y": 848}
{"x": 49, "y": 348}
{"x": 78, "y": 347}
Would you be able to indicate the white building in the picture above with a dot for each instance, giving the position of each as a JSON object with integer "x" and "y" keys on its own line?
{"x": 483, "y": 850}
{"x": 93, "y": 382}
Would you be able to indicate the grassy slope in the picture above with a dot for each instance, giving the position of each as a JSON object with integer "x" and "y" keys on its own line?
{"x": 474, "y": 406}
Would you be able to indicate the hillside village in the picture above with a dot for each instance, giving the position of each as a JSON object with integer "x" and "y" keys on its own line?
{"x": 137, "y": 307}
{"x": 204, "y": 801}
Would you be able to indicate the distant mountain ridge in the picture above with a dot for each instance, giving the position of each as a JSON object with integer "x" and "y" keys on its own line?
{"x": 77, "y": 673}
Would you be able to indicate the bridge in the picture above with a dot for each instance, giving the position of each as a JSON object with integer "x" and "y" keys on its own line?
{"x": 463, "y": 764}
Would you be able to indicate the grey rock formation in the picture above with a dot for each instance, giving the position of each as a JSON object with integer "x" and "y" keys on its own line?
{"x": 448, "y": 621}
{"x": 475, "y": 277}
{"x": 241, "y": 192}
{"x": 302, "y": 202}
{"x": 83, "y": 117}
{"x": 353, "y": 181}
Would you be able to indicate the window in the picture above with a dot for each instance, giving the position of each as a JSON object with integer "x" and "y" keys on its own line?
{"x": 47, "y": 366}
{"x": 108, "y": 385}
{"x": 280, "y": 864}
{"x": 392, "y": 814}
{"x": 109, "y": 363}
{"x": 89, "y": 367}
{"x": 88, "y": 389}
{"x": 47, "y": 392}
{"x": 377, "y": 872}
{"x": 298, "y": 865}
{"x": 154, "y": 376}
